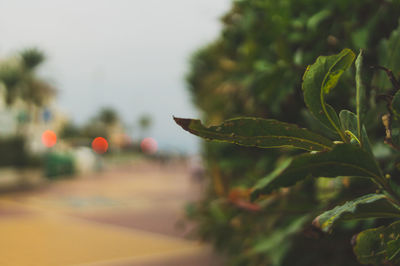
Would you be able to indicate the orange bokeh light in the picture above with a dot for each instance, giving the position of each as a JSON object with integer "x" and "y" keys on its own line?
{"x": 100, "y": 145}
{"x": 149, "y": 145}
{"x": 49, "y": 138}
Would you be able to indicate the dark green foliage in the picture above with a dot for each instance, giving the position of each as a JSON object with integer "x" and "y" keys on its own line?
{"x": 365, "y": 207}
{"x": 20, "y": 79}
{"x": 57, "y": 165}
{"x": 13, "y": 152}
{"x": 396, "y": 105}
{"x": 343, "y": 160}
{"x": 108, "y": 116}
{"x": 258, "y": 132}
{"x": 353, "y": 158}
{"x": 254, "y": 69}
{"x": 379, "y": 245}
{"x": 31, "y": 58}
{"x": 69, "y": 131}
{"x": 318, "y": 80}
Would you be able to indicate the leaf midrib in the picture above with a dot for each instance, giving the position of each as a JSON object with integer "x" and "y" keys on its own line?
{"x": 371, "y": 174}
{"x": 269, "y": 136}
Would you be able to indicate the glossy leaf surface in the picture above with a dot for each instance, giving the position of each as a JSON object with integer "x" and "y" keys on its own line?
{"x": 379, "y": 246}
{"x": 367, "y": 206}
{"x": 319, "y": 79}
{"x": 258, "y": 132}
{"x": 343, "y": 160}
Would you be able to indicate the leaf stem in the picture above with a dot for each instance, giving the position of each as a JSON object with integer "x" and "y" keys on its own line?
{"x": 348, "y": 132}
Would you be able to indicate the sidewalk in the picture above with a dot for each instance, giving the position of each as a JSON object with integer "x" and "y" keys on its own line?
{"x": 122, "y": 216}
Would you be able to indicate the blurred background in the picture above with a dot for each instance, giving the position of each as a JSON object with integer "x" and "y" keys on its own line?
{"x": 93, "y": 170}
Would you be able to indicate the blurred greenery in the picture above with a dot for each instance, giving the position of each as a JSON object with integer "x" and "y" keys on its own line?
{"x": 58, "y": 164}
{"x": 254, "y": 68}
{"x": 25, "y": 94}
{"x": 13, "y": 153}
{"x": 99, "y": 125}
{"x": 18, "y": 74}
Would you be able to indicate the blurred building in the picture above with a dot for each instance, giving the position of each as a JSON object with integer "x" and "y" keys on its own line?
{"x": 30, "y": 120}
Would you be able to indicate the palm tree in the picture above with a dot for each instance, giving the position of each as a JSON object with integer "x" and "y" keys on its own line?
{"x": 108, "y": 116}
{"x": 31, "y": 58}
{"x": 145, "y": 122}
{"x": 19, "y": 77}
{"x": 21, "y": 81}
{"x": 10, "y": 76}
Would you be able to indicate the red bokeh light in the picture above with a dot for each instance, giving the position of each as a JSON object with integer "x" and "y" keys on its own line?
{"x": 49, "y": 138}
{"x": 100, "y": 145}
{"x": 149, "y": 145}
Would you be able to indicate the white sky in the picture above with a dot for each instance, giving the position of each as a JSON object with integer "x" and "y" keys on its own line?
{"x": 128, "y": 54}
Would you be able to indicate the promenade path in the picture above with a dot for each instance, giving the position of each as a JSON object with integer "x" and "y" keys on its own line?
{"x": 126, "y": 215}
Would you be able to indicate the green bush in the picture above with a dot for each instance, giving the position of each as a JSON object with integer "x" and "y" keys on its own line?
{"x": 13, "y": 153}
{"x": 348, "y": 154}
{"x": 255, "y": 68}
{"x": 57, "y": 165}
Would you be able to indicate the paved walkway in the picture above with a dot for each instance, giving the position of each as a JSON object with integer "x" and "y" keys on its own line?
{"x": 127, "y": 215}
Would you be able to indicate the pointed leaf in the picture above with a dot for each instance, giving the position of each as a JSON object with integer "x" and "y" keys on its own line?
{"x": 366, "y": 145}
{"x": 342, "y": 160}
{"x": 319, "y": 79}
{"x": 258, "y": 132}
{"x": 360, "y": 91}
{"x": 349, "y": 123}
{"x": 367, "y": 206}
{"x": 379, "y": 245}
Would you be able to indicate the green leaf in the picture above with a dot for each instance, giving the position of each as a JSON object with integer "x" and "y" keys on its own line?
{"x": 367, "y": 206}
{"x": 342, "y": 160}
{"x": 379, "y": 245}
{"x": 319, "y": 79}
{"x": 393, "y": 250}
{"x": 349, "y": 123}
{"x": 360, "y": 91}
{"x": 365, "y": 140}
{"x": 258, "y": 132}
{"x": 396, "y": 105}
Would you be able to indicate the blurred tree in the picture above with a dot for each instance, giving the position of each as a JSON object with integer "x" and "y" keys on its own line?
{"x": 32, "y": 58}
{"x": 108, "y": 116}
{"x": 21, "y": 81}
{"x": 10, "y": 76}
{"x": 70, "y": 130}
{"x": 144, "y": 122}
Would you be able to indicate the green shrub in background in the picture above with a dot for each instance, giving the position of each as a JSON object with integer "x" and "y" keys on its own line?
{"x": 13, "y": 153}
{"x": 254, "y": 68}
{"x": 57, "y": 165}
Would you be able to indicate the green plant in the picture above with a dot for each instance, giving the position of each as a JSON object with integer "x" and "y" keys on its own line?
{"x": 254, "y": 68}
{"x": 344, "y": 151}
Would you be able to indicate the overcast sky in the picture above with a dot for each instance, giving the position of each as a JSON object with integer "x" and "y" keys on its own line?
{"x": 128, "y": 54}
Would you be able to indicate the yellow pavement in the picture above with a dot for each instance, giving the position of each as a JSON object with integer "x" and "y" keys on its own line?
{"x": 50, "y": 227}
